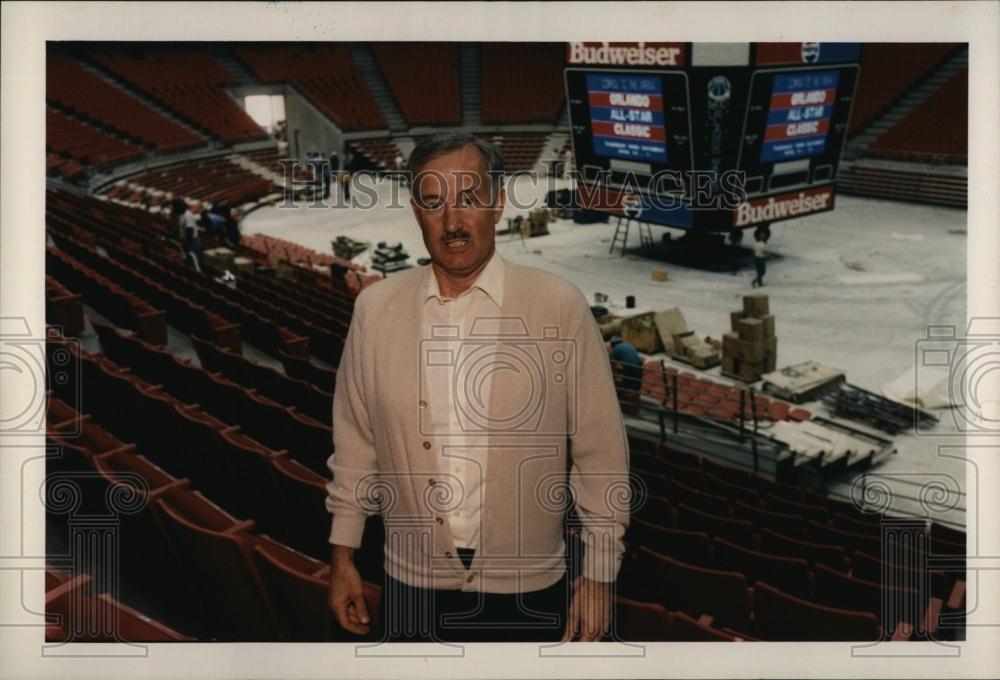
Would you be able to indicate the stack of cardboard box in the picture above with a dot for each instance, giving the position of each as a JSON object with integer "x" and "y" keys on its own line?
{"x": 750, "y": 349}
{"x": 684, "y": 344}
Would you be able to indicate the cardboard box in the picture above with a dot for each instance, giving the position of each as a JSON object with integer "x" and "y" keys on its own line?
{"x": 768, "y": 320}
{"x": 642, "y": 333}
{"x": 771, "y": 346}
{"x": 751, "y": 351}
{"x": 730, "y": 364}
{"x": 755, "y": 305}
{"x": 751, "y": 371}
{"x": 770, "y": 363}
{"x": 658, "y": 274}
{"x": 734, "y": 319}
{"x": 751, "y": 329}
{"x": 669, "y": 323}
{"x": 219, "y": 258}
{"x": 730, "y": 344}
{"x": 681, "y": 341}
{"x": 243, "y": 264}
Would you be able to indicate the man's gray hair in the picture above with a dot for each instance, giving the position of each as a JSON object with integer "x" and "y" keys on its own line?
{"x": 441, "y": 143}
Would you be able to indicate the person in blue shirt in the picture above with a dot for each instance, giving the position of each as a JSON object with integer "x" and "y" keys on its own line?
{"x": 626, "y": 363}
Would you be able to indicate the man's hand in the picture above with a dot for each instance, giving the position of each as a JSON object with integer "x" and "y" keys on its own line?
{"x": 347, "y": 596}
{"x": 589, "y": 611}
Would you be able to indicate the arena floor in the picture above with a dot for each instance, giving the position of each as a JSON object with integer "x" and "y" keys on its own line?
{"x": 854, "y": 288}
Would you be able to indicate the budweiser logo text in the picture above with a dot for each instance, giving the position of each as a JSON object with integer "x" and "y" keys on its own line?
{"x": 783, "y": 207}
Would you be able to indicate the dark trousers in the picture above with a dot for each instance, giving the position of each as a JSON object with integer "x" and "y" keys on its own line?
{"x": 761, "y": 264}
{"x": 409, "y": 614}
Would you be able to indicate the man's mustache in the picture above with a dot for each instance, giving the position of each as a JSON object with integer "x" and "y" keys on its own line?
{"x": 456, "y": 236}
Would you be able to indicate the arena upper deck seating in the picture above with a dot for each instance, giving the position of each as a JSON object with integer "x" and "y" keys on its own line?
{"x": 188, "y": 82}
{"x": 73, "y": 87}
{"x": 325, "y": 73}
{"x": 522, "y": 82}
{"x": 424, "y": 79}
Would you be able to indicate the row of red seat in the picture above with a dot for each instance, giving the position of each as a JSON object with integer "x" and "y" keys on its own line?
{"x": 935, "y": 130}
{"x": 268, "y": 422}
{"x": 89, "y": 96}
{"x": 87, "y": 145}
{"x": 736, "y": 529}
{"x": 522, "y": 82}
{"x": 216, "y": 180}
{"x": 887, "y": 71}
{"x": 699, "y": 396}
{"x": 121, "y": 306}
{"x": 424, "y": 79}
{"x": 75, "y": 613}
{"x": 273, "y": 384}
{"x": 214, "y": 575}
{"x": 189, "y": 82}
{"x": 63, "y": 308}
{"x": 324, "y": 73}
{"x": 380, "y": 150}
{"x": 183, "y": 313}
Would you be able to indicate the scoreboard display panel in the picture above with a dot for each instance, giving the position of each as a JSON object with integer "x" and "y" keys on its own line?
{"x": 629, "y": 122}
{"x": 626, "y": 116}
{"x": 795, "y": 125}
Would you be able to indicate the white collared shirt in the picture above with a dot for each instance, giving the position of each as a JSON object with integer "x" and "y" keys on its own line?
{"x": 461, "y": 454}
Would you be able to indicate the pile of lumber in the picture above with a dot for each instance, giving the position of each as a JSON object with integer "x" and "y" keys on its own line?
{"x": 750, "y": 349}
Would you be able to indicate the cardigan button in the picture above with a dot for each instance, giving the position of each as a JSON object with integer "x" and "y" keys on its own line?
{"x": 448, "y": 554}
{"x": 439, "y": 520}
{"x": 422, "y": 403}
{"x": 470, "y": 577}
{"x": 431, "y": 482}
{"x": 427, "y": 445}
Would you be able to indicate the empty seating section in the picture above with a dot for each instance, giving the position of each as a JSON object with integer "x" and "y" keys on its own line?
{"x": 702, "y": 397}
{"x": 424, "y": 79}
{"x": 108, "y": 298}
{"x": 217, "y": 180}
{"x": 936, "y": 129}
{"x": 379, "y": 150}
{"x": 71, "y": 86}
{"x": 63, "y": 307}
{"x": 190, "y": 83}
{"x": 707, "y": 539}
{"x": 522, "y": 82}
{"x": 184, "y": 550}
{"x": 325, "y": 74}
{"x": 888, "y": 70}
{"x": 72, "y": 140}
{"x": 521, "y": 150}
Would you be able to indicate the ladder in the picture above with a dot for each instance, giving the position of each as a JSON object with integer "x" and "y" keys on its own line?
{"x": 621, "y": 233}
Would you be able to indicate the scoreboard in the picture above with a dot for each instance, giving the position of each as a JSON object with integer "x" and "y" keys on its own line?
{"x": 772, "y": 116}
{"x": 626, "y": 114}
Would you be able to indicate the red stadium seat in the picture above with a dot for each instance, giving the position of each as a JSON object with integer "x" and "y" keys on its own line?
{"x": 640, "y": 621}
{"x": 782, "y": 617}
{"x": 775, "y": 543}
{"x": 787, "y": 573}
{"x": 299, "y": 588}
{"x": 214, "y": 551}
{"x": 736, "y": 530}
{"x": 721, "y": 595}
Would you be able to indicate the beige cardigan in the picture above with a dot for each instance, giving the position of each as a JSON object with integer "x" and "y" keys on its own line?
{"x": 568, "y": 420}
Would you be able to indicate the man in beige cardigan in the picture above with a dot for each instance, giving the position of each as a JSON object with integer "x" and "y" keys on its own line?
{"x": 474, "y": 405}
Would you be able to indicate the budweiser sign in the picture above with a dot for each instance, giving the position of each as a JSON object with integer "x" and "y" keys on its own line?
{"x": 625, "y": 54}
{"x": 784, "y": 206}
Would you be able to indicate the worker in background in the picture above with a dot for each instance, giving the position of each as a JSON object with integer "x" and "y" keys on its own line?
{"x": 626, "y": 367}
{"x": 760, "y": 254}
